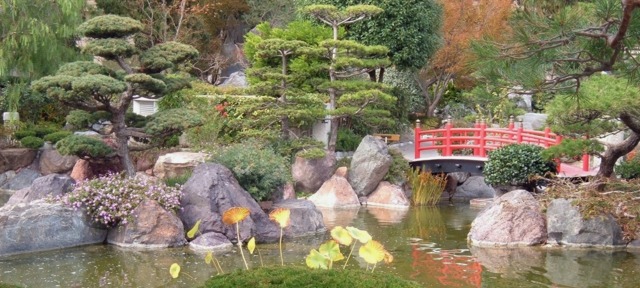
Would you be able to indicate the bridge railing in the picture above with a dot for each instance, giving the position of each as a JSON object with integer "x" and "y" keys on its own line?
{"x": 480, "y": 139}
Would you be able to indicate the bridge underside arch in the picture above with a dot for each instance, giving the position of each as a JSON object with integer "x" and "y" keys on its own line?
{"x": 471, "y": 165}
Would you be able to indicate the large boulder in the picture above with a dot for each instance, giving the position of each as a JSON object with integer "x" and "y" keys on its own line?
{"x": 81, "y": 170}
{"x": 310, "y": 174}
{"x": 388, "y": 195}
{"x": 513, "y": 219}
{"x": 152, "y": 227}
{"x": 534, "y": 121}
{"x": 52, "y": 162}
{"x": 6, "y": 176}
{"x": 177, "y": 164}
{"x": 369, "y": 165}
{"x": 51, "y": 185}
{"x": 39, "y": 226}
{"x": 336, "y": 192}
{"x": 567, "y": 226}
{"x": 305, "y": 219}
{"x": 16, "y": 158}
{"x": 23, "y": 179}
{"x": 474, "y": 187}
{"x": 211, "y": 241}
{"x": 210, "y": 192}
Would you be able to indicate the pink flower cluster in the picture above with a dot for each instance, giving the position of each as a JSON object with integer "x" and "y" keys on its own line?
{"x": 110, "y": 199}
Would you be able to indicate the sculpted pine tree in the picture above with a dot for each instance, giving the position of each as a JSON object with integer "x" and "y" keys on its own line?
{"x": 350, "y": 96}
{"x": 94, "y": 87}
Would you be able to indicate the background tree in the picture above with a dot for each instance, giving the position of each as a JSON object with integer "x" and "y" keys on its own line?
{"x": 93, "y": 87}
{"x": 464, "y": 21}
{"x": 348, "y": 96}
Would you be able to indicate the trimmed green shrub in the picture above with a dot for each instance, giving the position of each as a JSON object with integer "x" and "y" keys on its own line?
{"x": 398, "y": 171}
{"x": 629, "y": 169}
{"x": 257, "y": 167}
{"x": 289, "y": 276}
{"x": 347, "y": 140}
{"x": 292, "y": 147}
{"x": 83, "y": 147}
{"x": 24, "y": 133}
{"x": 44, "y": 129}
{"x": 32, "y": 142}
{"x": 313, "y": 153}
{"x": 515, "y": 165}
{"x": 79, "y": 119}
{"x": 56, "y": 136}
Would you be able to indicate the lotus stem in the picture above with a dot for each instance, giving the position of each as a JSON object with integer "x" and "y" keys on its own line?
{"x": 374, "y": 267}
{"x": 240, "y": 246}
{"x": 281, "y": 258}
{"x": 348, "y": 257}
{"x": 218, "y": 267}
{"x": 260, "y": 255}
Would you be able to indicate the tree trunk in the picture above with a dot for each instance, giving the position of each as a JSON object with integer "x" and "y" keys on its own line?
{"x": 614, "y": 152}
{"x": 333, "y": 134}
{"x": 122, "y": 142}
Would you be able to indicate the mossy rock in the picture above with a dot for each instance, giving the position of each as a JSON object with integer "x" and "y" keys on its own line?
{"x": 305, "y": 277}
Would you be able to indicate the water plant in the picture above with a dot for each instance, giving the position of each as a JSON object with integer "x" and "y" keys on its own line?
{"x": 427, "y": 188}
{"x": 282, "y": 217}
{"x": 233, "y": 216}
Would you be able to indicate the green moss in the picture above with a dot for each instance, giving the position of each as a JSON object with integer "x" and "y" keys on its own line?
{"x": 305, "y": 277}
{"x": 32, "y": 142}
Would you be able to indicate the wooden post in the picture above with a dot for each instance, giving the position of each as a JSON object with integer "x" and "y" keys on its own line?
{"x": 483, "y": 135}
{"x": 447, "y": 151}
{"x": 417, "y": 141}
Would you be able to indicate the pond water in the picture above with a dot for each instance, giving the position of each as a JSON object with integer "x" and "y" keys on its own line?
{"x": 428, "y": 245}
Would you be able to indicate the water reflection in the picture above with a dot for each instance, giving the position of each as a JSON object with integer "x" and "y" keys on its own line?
{"x": 386, "y": 216}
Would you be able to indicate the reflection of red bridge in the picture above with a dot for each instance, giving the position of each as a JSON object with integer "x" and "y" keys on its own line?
{"x": 435, "y": 149}
{"x": 449, "y": 269}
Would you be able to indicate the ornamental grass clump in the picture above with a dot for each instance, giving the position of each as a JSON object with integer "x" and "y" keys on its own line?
{"x": 427, "y": 187}
{"x": 111, "y": 199}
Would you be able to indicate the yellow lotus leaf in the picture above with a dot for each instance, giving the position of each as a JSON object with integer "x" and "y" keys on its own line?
{"x": 234, "y": 215}
{"x": 194, "y": 230}
{"x": 388, "y": 258}
{"x": 317, "y": 260}
{"x": 372, "y": 252}
{"x": 331, "y": 250}
{"x": 174, "y": 270}
{"x": 280, "y": 216}
{"x": 360, "y": 235}
{"x": 341, "y": 236}
{"x": 208, "y": 258}
{"x": 251, "y": 245}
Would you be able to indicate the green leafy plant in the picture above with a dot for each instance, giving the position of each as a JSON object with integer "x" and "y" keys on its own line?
{"x": 398, "y": 170}
{"x": 516, "y": 164}
{"x": 32, "y": 142}
{"x": 427, "y": 187}
{"x": 313, "y": 153}
{"x": 56, "y": 136}
{"x": 178, "y": 180}
{"x": 24, "y": 133}
{"x": 257, "y": 168}
{"x": 83, "y": 147}
{"x": 347, "y": 140}
{"x": 629, "y": 169}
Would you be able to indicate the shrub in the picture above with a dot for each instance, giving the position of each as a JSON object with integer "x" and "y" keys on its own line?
{"x": 313, "y": 153}
{"x": 290, "y": 148}
{"x": 629, "y": 169}
{"x": 24, "y": 133}
{"x": 426, "y": 187}
{"x": 45, "y": 129}
{"x": 257, "y": 167}
{"x": 79, "y": 119}
{"x": 178, "y": 180}
{"x": 398, "y": 171}
{"x": 347, "y": 140}
{"x": 110, "y": 199}
{"x": 56, "y": 136}
{"x": 516, "y": 165}
{"x": 83, "y": 147}
{"x": 291, "y": 276}
{"x": 32, "y": 142}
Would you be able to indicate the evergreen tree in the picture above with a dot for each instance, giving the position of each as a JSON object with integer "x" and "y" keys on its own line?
{"x": 94, "y": 87}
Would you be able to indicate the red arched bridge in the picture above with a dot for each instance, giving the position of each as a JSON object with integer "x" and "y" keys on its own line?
{"x": 450, "y": 149}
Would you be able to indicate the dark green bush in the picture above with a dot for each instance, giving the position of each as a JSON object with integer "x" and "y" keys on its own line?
{"x": 398, "y": 171}
{"x": 32, "y": 142}
{"x": 515, "y": 165}
{"x": 79, "y": 119}
{"x": 178, "y": 180}
{"x": 347, "y": 140}
{"x": 257, "y": 167}
{"x": 313, "y": 153}
{"x": 629, "y": 169}
{"x": 45, "y": 129}
{"x": 24, "y": 133}
{"x": 289, "y": 276}
{"x": 56, "y": 136}
{"x": 83, "y": 147}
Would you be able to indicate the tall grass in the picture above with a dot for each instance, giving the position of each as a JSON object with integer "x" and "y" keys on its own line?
{"x": 427, "y": 188}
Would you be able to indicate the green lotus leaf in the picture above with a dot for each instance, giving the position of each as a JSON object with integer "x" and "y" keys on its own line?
{"x": 331, "y": 250}
{"x": 192, "y": 232}
{"x": 360, "y": 235}
{"x": 341, "y": 236}
{"x": 317, "y": 260}
{"x": 372, "y": 252}
{"x": 174, "y": 270}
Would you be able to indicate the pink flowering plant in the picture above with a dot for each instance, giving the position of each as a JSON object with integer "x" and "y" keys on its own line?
{"x": 110, "y": 199}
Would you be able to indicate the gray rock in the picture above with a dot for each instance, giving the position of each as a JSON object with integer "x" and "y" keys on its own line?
{"x": 51, "y": 185}
{"x": 6, "y": 176}
{"x": 306, "y": 219}
{"x": 88, "y": 133}
{"x": 52, "y": 162}
{"x": 369, "y": 165}
{"x": 211, "y": 241}
{"x": 16, "y": 158}
{"x": 4, "y": 196}
{"x": 567, "y": 226}
{"x": 513, "y": 219}
{"x": 534, "y": 121}
{"x": 23, "y": 179}
{"x": 310, "y": 174}
{"x": 177, "y": 163}
{"x": 461, "y": 177}
{"x": 40, "y": 226}
{"x": 509, "y": 262}
{"x": 568, "y": 269}
{"x": 236, "y": 79}
{"x": 152, "y": 227}
{"x": 210, "y": 192}
{"x": 474, "y": 187}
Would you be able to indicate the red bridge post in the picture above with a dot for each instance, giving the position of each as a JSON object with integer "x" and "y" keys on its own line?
{"x": 476, "y": 134}
{"x": 416, "y": 141}
{"x": 447, "y": 151}
{"x": 483, "y": 135}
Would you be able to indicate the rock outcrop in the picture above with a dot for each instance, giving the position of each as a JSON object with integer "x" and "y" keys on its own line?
{"x": 51, "y": 185}
{"x": 16, "y": 158}
{"x": 513, "y": 219}
{"x": 369, "y": 165}
{"x": 388, "y": 195}
{"x": 52, "y": 162}
{"x": 336, "y": 192}
{"x": 309, "y": 174}
{"x": 23, "y": 179}
{"x": 305, "y": 219}
{"x": 177, "y": 164}
{"x": 474, "y": 187}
